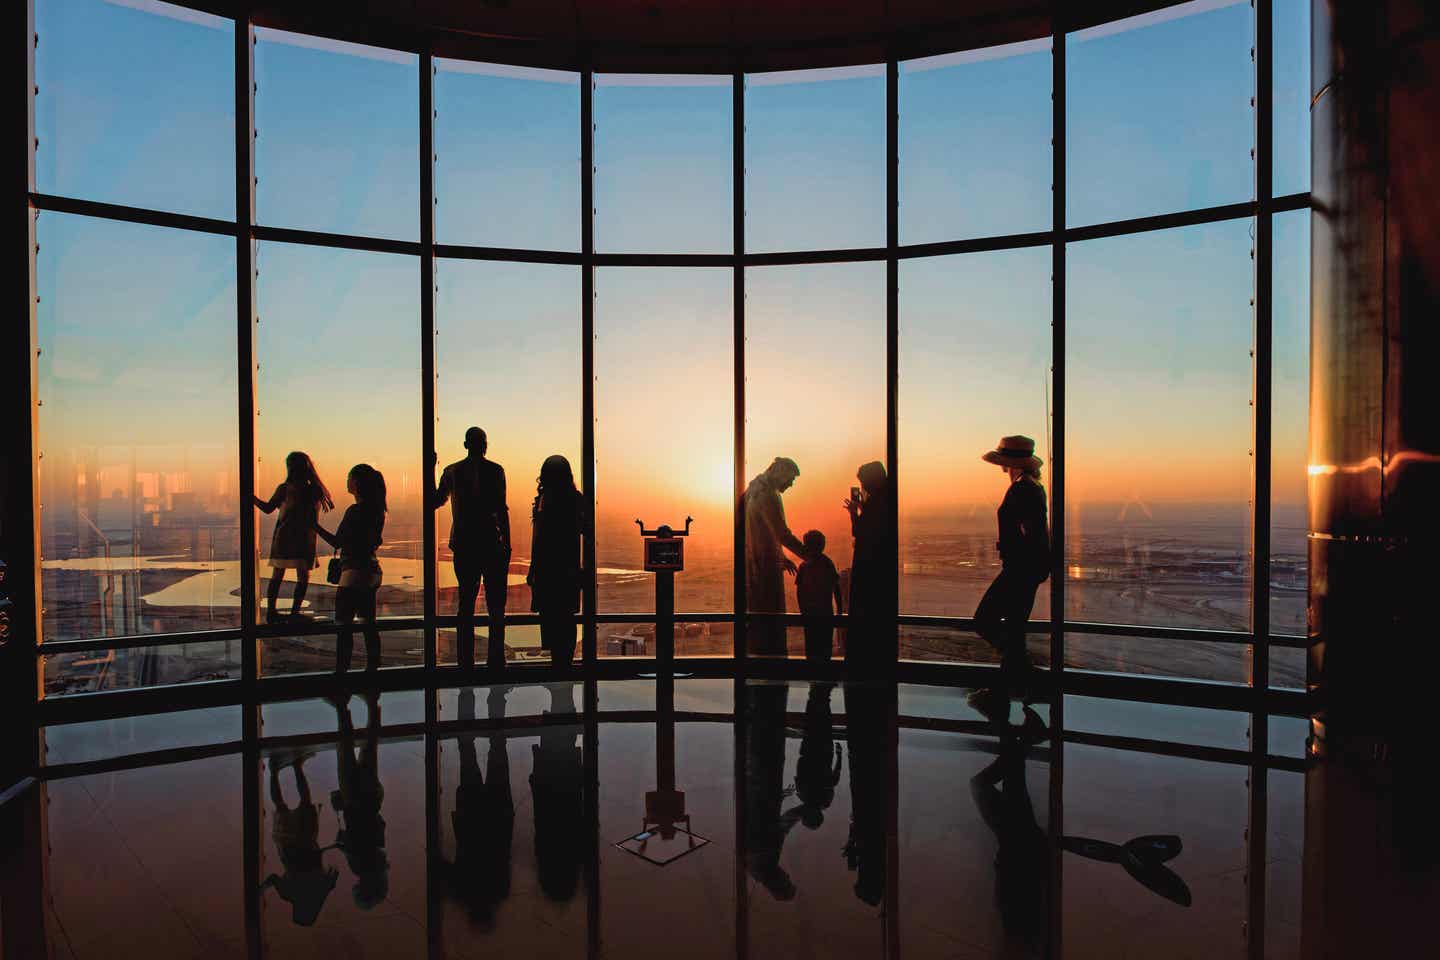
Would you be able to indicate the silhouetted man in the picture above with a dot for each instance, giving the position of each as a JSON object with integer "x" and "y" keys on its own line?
{"x": 479, "y": 544}
{"x": 766, "y": 539}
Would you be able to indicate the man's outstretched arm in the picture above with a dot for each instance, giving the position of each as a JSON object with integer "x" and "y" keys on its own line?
{"x": 440, "y": 493}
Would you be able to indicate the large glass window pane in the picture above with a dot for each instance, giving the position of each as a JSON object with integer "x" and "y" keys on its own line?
{"x": 91, "y": 671}
{"x": 338, "y": 377}
{"x": 315, "y": 653}
{"x": 337, "y": 136}
{"x": 974, "y": 367}
{"x": 663, "y": 164}
{"x": 1218, "y": 661}
{"x": 664, "y": 431}
{"x": 1159, "y": 428}
{"x": 815, "y": 393}
{"x": 975, "y": 143}
{"x": 135, "y": 105}
{"x": 507, "y": 156}
{"x": 815, "y": 159}
{"x": 507, "y": 358}
{"x": 1158, "y": 114}
{"x": 1289, "y": 422}
{"x": 1291, "y": 75}
{"x": 138, "y": 439}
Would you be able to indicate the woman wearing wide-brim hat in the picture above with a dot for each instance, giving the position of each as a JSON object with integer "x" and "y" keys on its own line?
{"x": 1024, "y": 547}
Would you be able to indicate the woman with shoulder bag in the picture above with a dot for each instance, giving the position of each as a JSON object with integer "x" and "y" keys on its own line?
{"x": 356, "y": 540}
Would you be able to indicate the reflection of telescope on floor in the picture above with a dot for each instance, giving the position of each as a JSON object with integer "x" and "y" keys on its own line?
{"x": 665, "y": 832}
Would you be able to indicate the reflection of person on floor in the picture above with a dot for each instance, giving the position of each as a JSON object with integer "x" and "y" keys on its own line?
{"x": 767, "y": 537}
{"x": 300, "y": 498}
{"x": 358, "y": 802}
{"x": 306, "y": 882}
{"x": 483, "y": 820}
{"x": 557, "y": 794}
{"x": 765, "y": 788}
{"x": 818, "y": 770}
{"x": 817, "y": 582}
{"x": 479, "y": 543}
{"x": 1022, "y": 854}
{"x": 1024, "y": 546}
{"x": 866, "y": 721}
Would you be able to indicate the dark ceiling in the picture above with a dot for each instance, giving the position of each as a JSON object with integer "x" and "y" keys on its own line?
{"x": 683, "y": 35}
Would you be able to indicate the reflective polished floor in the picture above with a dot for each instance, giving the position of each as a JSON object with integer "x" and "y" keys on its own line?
{"x": 776, "y": 819}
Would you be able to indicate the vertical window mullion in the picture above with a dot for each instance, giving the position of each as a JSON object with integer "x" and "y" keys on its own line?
{"x": 427, "y": 350}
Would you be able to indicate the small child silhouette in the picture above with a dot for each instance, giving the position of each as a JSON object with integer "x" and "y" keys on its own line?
{"x": 816, "y": 582}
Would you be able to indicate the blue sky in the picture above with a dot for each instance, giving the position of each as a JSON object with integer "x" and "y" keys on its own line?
{"x": 134, "y": 107}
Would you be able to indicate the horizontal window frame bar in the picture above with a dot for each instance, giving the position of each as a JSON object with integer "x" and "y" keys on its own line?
{"x": 54, "y": 203}
{"x": 1187, "y": 751}
{"x": 946, "y": 248}
{"x": 531, "y": 724}
{"x": 454, "y": 251}
{"x": 139, "y": 641}
{"x": 140, "y": 761}
{"x": 451, "y": 251}
{"x": 1159, "y": 632}
{"x": 724, "y": 260}
{"x": 392, "y": 624}
{"x": 336, "y": 241}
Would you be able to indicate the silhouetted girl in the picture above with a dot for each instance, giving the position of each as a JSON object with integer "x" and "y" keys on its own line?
{"x": 357, "y": 538}
{"x": 1024, "y": 547}
{"x": 300, "y": 499}
{"x": 554, "y": 575}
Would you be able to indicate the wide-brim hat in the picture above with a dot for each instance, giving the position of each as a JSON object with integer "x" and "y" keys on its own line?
{"x": 1014, "y": 452}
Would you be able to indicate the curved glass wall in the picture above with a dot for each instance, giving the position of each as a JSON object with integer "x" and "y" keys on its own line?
{"x": 835, "y": 316}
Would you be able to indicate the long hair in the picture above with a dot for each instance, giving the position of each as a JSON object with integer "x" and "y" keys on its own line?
{"x": 300, "y": 469}
{"x": 557, "y": 481}
{"x": 369, "y": 485}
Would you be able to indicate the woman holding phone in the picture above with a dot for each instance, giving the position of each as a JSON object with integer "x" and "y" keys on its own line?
{"x": 874, "y": 583}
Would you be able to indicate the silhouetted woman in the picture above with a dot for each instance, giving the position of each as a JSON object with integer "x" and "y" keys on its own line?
{"x": 300, "y": 499}
{"x": 357, "y": 538}
{"x": 1024, "y": 548}
{"x": 554, "y": 577}
{"x": 873, "y": 580}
